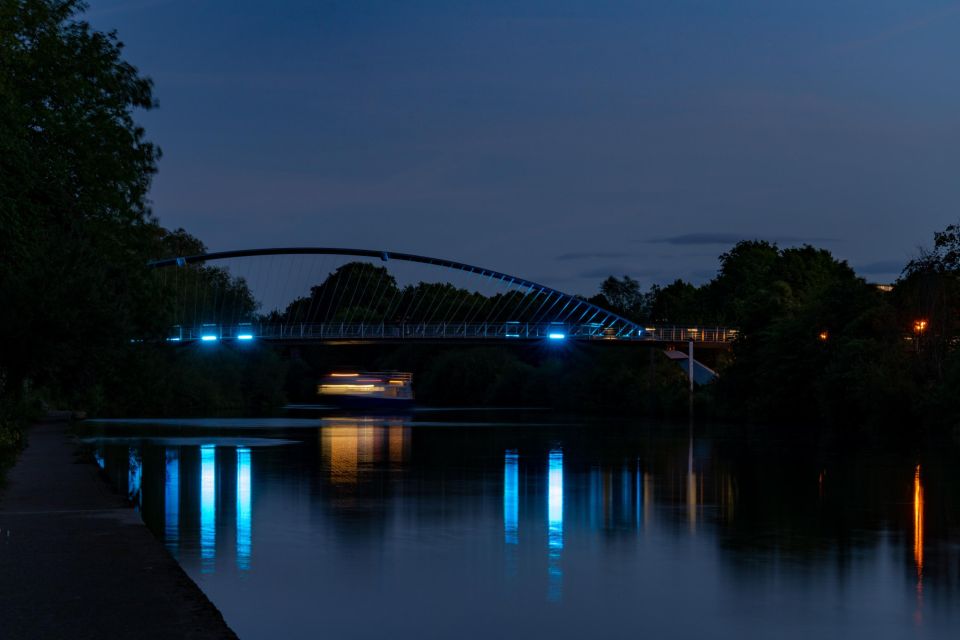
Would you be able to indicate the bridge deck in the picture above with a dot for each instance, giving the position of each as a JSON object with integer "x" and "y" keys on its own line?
{"x": 444, "y": 332}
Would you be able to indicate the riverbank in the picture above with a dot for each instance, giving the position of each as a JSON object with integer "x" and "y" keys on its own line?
{"x": 78, "y": 562}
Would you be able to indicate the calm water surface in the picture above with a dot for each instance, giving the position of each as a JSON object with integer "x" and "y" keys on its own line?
{"x": 484, "y": 526}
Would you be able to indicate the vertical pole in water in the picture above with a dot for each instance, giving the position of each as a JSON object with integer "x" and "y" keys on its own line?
{"x": 690, "y": 366}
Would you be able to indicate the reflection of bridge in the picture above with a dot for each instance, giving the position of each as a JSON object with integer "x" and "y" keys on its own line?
{"x": 360, "y": 300}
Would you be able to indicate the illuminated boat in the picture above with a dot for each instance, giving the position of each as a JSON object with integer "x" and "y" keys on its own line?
{"x": 367, "y": 389}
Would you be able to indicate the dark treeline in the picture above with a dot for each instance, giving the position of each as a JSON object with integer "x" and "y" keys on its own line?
{"x": 364, "y": 292}
{"x": 817, "y": 343}
{"x": 76, "y": 228}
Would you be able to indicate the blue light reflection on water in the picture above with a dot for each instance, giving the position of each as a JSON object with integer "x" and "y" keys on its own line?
{"x": 511, "y": 504}
{"x": 617, "y": 551}
{"x": 555, "y": 523}
{"x": 208, "y": 507}
{"x": 171, "y": 500}
{"x": 134, "y": 476}
{"x": 639, "y": 497}
{"x": 244, "y": 510}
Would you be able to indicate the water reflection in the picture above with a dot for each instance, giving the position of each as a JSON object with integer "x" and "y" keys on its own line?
{"x": 511, "y": 503}
{"x": 341, "y": 448}
{"x": 691, "y": 488}
{"x": 555, "y": 522}
{"x": 638, "y": 497}
{"x": 350, "y": 445}
{"x": 635, "y": 525}
{"x": 692, "y": 500}
{"x": 244, "y": 510}
{"x": 171, "y": 500}
{"x": 918, "y": 521}
{"x": 918, "y": 541}
{"x": 134, "y": 476}
{"x": 208, "y": 506}
{"x": 647, "y": 498}
{"x": 398, "y": 441}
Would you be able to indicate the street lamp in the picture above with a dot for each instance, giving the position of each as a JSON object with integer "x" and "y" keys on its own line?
{"x": 920, "y": 326}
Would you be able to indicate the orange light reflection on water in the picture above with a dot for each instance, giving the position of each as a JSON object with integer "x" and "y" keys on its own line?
{"x": 918, "y": 542}
{"x": 349, "y": 445}
{"x": 918, "y": 521}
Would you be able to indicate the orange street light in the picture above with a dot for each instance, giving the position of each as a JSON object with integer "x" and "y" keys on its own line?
{"x": 919, "y": 326}
{"x": 824, "y": 335}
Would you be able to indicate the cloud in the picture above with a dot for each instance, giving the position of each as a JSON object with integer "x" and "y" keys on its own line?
{"x": 700, "y": 238}
{"x": 881, "y": 267}
{"x": 706, "y": 238}
{"x": 591, "y": 255}
{"x": 618, "y": 271}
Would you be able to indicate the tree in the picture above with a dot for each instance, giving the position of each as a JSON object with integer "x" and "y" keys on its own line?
{"x": 197, "y": 293}
{"x": 74, "y": 173}
{"x": 679, "y": 302}
{"x": 781, "y": 368}
{"x": 354, "y": 292}
{"x": 625, "y": 298}
{"x": 817, "y": 342}
{"x": 929, "y": 293}
{"x": 746, "y": 289}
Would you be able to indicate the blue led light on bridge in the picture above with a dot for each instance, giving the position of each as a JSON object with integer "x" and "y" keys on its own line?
{"x": 557, "y": 336}
{"x": 208, "y": 338}
{"x": 245, "y": 336}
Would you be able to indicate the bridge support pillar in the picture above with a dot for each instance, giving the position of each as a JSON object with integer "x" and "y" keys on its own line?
{"x": 690, "y": 365}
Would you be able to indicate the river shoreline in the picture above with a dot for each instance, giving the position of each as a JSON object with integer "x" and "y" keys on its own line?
{"x": 78, "y": 562}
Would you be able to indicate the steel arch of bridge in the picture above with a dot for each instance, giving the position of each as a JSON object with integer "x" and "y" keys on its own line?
{"x": 593, "y": 321}
{"x": 609, "y": 319}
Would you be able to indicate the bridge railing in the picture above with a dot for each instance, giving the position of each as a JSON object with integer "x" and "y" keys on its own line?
{"x": 445, "y": 331}
{"x": 686, "y": 334}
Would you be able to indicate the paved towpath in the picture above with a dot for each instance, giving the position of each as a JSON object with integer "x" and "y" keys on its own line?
{"x": 77, "y": 562}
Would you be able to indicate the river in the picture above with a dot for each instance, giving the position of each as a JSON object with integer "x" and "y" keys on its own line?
{"x": 502, "y": 525}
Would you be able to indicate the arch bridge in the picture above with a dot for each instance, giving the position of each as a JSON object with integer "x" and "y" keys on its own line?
{"x": 342, "y": 295}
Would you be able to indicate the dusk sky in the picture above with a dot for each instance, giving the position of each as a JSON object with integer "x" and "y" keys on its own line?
{"x": 558, "y": 141}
